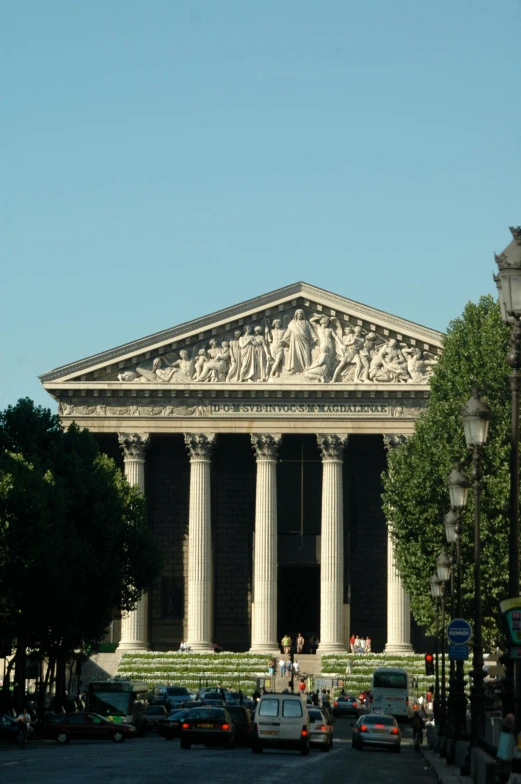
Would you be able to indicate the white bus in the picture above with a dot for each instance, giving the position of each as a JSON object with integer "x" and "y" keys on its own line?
{"x": 393, "y": 692}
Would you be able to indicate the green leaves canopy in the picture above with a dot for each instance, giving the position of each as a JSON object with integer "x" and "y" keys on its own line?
{"x": 415, "y": 491}
{"x": 74, "y": 541}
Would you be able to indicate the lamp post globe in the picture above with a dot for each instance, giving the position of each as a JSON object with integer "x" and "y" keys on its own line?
{"x": 450, "y": 521}
{"x": 443, "y": 567}
{"x": 458, "y": 485}
{"x": 508, "y": 279}
{"x": 476, "y": 416}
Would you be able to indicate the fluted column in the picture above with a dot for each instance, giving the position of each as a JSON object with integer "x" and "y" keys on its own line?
{"x": 134, "y": 624}
{"x": 264, "y": 620}
{"x": 398, "y": 602}
{"x": 332, "y": 545}
{"x": 199, "y": 543}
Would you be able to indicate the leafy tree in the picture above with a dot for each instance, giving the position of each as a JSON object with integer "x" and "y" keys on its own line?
{"x": 74, "y": 540}
{"x": 415, "y": 492}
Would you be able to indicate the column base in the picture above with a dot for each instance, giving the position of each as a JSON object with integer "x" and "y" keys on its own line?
{"x": 398, "y": 647}
{"x": 332, "y": 647}
{"x": 200, "y": 647}
{"x": 264, "y": 647}
{"x": 133, "y": 645}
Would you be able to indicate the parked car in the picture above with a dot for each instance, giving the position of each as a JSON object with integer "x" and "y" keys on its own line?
{"x": 320, "y": 732}
{"x": 153, "y": 713}
{"x": 377, "y": 729}
{"x": 81, "y": 726}
{"x": 281, "y": 721}
{"x": 209, "y": 726}
{"x": 241, "y": 718}
{"x": 170, "y": 726}
{"x": 8, "y": 728}
{"x": 345, "y": 705}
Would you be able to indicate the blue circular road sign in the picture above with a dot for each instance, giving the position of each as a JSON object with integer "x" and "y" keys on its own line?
{"x": 459, "y": 631}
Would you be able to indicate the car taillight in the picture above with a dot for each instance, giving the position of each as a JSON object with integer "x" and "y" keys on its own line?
{"x": 225, "y": 727}
{"x": 363, "y": 728}
{"x": 380, "y": 726}
{"x": 355, "y": 705}
{"x": 185, "y": 725}
{"x": 322, "y": 728}
{"x": 304, "y": 732}
{"x": 335, "y": 704}
{"x": 395, "y": 731}
{"x": 406, "y": 700}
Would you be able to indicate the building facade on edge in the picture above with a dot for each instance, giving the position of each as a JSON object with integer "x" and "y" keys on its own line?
{"x": 259, "y": 435}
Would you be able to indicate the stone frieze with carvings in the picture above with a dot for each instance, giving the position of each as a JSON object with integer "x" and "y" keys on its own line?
{"x": 299, "y": 348}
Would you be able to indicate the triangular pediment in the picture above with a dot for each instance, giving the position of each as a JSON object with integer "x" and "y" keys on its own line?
{"x": 272, "y": 343}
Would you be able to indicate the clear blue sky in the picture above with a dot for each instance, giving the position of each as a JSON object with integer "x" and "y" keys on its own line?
{"x": 162, "y": 159}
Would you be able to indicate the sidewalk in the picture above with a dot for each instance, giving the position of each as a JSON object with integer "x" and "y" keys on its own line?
{"x": 446, "y": 774}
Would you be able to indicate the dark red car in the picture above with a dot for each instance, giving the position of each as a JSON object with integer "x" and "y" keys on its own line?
{"x": 86, "y": 726}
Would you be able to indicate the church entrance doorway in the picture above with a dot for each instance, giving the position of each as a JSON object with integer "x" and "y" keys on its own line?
{"x": 299, "y": 601}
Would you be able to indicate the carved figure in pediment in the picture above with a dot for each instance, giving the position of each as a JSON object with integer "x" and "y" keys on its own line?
{"x": 235, "y": 358}
{"x": 128, "y": 375}
{"x": 183, "y": 368}
{"x": 329, "y": 338}
{"x": 366, "y": 355}
{"x": 275, "y": 338}
{"x": 255, "y": 355}
{"x": 395, "y": 362}
{"x": 419, "y": 364}
{"x": 200, "y": 361}
{"x": 299, "y": 338}
{"x": 349, "y": 356}
{"x": 216, "y": 368}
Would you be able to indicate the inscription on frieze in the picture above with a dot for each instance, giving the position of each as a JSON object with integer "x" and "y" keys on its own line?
{"x": 236, "y": 409}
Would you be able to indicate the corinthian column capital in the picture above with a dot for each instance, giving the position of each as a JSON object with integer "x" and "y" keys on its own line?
{"x": 199, "y": 445}
{"x": 265, "y": 445}
{"x": 133, "y": 445}
{"x": 392, "y": 440}
{"x": 331, "y": 447}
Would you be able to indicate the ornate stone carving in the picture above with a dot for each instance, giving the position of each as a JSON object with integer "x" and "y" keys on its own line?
{"x": 199, "y": 445}
{"x": 392, "y": 440}
{"x": 331, "y": 446}
{"x": 265, "y": 445}
{"x": 293, "y": 350}
{"x": 133, "y": 445}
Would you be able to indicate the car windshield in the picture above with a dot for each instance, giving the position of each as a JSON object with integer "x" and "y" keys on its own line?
{"x": 178, "y": 714}
{"x": 237, "y": 710}
{"x": 390, "y": 680}
{"x": 155, "y": 710}
{"x": 374, "y": 719}
{"x": 315, "y": 714}
{"x": 176, "y": 691}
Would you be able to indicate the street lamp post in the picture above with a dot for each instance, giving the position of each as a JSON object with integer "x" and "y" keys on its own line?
{"x": 436, "y": 594}
{"x": 458, "y": 491}
{"x": 476, "y": 416}
{"x": 508, "y": 281}
{"x": 443, "y": 570}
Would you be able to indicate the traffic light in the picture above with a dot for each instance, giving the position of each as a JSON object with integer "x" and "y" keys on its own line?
{"x": 429, "y": 664}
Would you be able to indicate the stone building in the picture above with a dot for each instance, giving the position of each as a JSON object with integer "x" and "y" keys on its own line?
{"x": 259, "y": 436}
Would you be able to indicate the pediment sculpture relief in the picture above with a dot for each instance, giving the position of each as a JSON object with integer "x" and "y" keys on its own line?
{"x": 292, "y": 350}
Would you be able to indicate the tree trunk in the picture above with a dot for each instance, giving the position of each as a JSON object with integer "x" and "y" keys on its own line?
{"x": 61, "y": 678}
{"x": 19, "y": 686}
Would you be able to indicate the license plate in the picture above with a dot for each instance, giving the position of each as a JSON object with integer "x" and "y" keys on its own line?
{"x": 206, "y": 726}
{"x": 379, "y": 730}
{"x": 268, "y": 732}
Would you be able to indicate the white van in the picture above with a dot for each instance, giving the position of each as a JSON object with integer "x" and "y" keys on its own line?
{"x": 281, "y": 721}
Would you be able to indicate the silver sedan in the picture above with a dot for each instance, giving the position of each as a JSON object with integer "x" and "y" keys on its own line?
{"x": 378, "y": 730}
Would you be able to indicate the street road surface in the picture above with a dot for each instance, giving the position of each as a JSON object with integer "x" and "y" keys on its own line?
{"x": 153, "y": 760}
